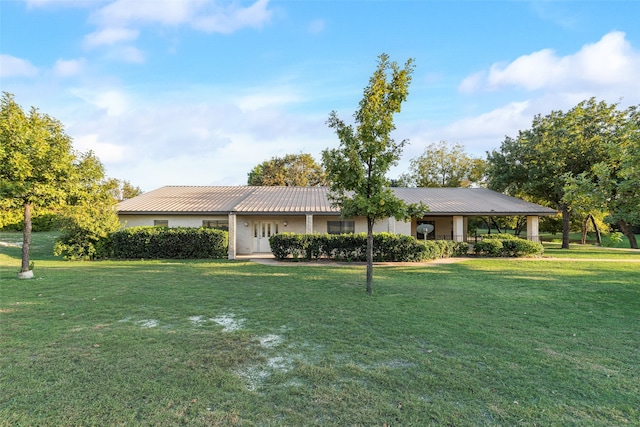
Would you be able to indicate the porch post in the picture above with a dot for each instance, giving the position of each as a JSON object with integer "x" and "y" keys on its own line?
{"x": 232, "y": 236}
{"x": 458, "y": 228}
{"x": 309, "y": 224}
{"x": 532, "y": 228}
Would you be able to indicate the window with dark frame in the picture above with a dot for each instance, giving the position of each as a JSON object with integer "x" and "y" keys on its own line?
{"x": 161, "y": 223}
{"x": 341, "y": 227}
{"x": 218, "y": 224}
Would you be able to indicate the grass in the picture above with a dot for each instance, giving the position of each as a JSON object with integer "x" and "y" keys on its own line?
{"x": 481, "y": 342}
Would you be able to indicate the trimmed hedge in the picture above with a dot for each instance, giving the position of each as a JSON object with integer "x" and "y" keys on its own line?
{"x": 508, "y": 247}
{"x": 387, "y": 247}
{"x": 167, "y": 243}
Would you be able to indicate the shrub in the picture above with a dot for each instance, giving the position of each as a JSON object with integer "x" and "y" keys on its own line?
{"x": 387, "y": 247}
{"x": 167, "y": 243}
{"x": 508, "y": 247}
{"x": 490, "y": 247}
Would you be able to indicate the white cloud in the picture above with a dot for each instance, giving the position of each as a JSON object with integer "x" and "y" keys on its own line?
{"x": 110, "y": 101}
{"x": 10, "y": 66}
{"x": 105, "y": 151}
{"x": 607, "y": 66}
{"x": 67, "y": 68}
{"x": 109, "y": 36}
{"x": 232, "y": 17}
{"x": 188, "y": 139}
{"x": 129, "y": 54}
{"x": 219, "y": 16}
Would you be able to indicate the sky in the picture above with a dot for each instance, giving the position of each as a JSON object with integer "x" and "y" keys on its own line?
{"x": 198, "y": 92}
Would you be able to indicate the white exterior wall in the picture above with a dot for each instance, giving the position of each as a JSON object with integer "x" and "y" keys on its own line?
{"x": 174, "y": 220}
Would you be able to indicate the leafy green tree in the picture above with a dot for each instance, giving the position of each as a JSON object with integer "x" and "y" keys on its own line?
{"x": 89, "y": 215}
{"x": 538, "y": 163}
{"x": 36, "y": 163}
{"x": 358, "y": 167}
{"x": 612, "y": 184}
{"x": 291, "y": 170}
{"x": 445, "y": 165}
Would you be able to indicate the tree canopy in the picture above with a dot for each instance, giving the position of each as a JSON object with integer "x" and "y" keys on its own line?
{"x": 541, "y": 162}
{"x": 291, "y": 170}
{"x": 357, "y": 169}
{"x": 39, "y": 168}
{"x": 444, "y": 165}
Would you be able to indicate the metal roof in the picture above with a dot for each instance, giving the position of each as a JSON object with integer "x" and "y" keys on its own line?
{"x": 470, "y": 201}
{"x": 314, "y": 200}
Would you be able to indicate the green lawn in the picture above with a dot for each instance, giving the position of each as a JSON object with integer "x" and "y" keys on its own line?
{"x": 480, "y": 342}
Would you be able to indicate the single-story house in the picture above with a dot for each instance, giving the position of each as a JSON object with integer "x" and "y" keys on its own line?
{"x": 253, "y": 214}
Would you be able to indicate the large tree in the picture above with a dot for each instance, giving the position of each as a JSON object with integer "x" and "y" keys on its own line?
{"x": 612, "y": 184}
{"x": 538, "y": 163}
{"x": 36, "y": 163}
{"x": 357, "y": 169}
{"x": 291, "y": 170}
{"x": 40, "y": 169}
{"x": 445, "y": 165}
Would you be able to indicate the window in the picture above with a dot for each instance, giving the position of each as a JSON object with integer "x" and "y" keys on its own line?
{"x": 218, "y": 224}
{"x": 161, "y": 223}
{"x": 341, "y": 227}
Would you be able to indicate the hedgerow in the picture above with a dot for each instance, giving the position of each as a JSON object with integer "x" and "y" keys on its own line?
{"x": 508, "y": 247}
{"x": 166, "y": 243}
{"x": 387, "y": 247}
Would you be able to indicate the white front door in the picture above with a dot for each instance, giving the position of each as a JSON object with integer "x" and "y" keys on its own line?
{"x": 262, "y": 230}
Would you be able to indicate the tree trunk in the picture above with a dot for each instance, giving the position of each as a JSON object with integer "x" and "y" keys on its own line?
{"x": 583, "y": 240}
{"x": 369, "y": 256}
{"x": 595, "y": 227}
{"x": 496, "y": 224}
{"x": 488, "y": 223}
{"x": 26, "y": 238}
{"x": 566, "y": 225}
{"x": 627, "y": 231}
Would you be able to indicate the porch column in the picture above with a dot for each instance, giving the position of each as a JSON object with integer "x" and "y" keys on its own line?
{"x": 309, "y": 224}
{"x": 232, "y": 236}
{"x": 458, "y": 228}
{"x": 532, "y": 228}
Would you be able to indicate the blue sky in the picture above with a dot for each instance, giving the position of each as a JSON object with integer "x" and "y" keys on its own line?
{"x": 198, "y": 92}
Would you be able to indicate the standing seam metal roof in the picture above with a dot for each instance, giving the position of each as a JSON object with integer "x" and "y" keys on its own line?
{"x": 314, "y": 200}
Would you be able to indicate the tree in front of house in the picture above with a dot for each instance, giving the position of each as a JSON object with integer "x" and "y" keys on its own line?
{"x": 357, "y": 169}
{"x": 539, "y": 162}
{"x": 291, "y": 170}
{"x": 36, "y": 164}
{"x": 445, "y": 165}
{"x": 40, "y": 170}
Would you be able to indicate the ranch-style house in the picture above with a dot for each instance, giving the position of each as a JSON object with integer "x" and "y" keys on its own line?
{"x": 253, "y": 214}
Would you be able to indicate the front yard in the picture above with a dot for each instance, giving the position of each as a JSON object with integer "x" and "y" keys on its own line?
{"x": 479, "y": 342}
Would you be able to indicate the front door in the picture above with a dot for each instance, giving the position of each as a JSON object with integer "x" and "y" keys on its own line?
{"x": 262, "y": 230}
